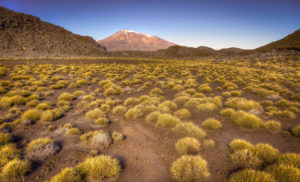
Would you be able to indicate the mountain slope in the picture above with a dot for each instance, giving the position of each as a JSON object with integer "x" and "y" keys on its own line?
{"x": 26, "y": 35}
{"x": 290, "y": 42}
{"x": 127, "y": 40}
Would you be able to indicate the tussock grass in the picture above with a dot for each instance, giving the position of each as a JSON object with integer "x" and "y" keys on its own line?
{"x": 15, "y": 169}
{"x": 189, "y": 129}
{"x": 211, "y": 124}
{"x": 296, "y": 131}
{"x": 65, "y": 96}
{"x": 290, "y": 159}
{"x": 167, "y": 121}
{"x": 240, "y": 144}
{"x": 68, "y": 175}
{"x": 117, "y": 136}
{"x": 120, "y": 110}
{"x": 100, "y": 167}
{"x": 250, "y": 175}
{"x": 273, "y": 126}
{"x": 187, "y": 145}
{"x": 102, "y": 121}
{"x": 51, "y": 115}
{"x": 246, "y": 120}
{"x": 190, "y": 168}
{"x": 37, "y": 144}
{"x": 284, "y": 173}
{"x": 7, "y": 153}
{"x": 245, "y": 158}
{"x": 266, "y": 152}
{"x": 152, "y": 117}
{"x": 32, "y": 114}
{"x": 94, "y": 114}
{"x": 183, "y": 114}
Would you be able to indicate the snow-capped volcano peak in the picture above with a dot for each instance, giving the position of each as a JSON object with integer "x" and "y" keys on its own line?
{"x": 132, "y": 40}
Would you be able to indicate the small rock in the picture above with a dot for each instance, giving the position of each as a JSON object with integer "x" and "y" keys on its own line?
{"x": 102, "y": 140}
{"x": 273, "y": 97}
{"x": 27, "y": 122}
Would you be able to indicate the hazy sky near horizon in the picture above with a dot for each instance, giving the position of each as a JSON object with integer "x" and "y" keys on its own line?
{"x": 214, "y": 23}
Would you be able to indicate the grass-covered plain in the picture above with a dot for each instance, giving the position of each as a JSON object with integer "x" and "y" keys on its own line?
{"x": 156, "y": 120}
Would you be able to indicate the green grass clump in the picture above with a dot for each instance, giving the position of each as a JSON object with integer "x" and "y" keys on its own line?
{"x": 102, "y": 121}
{"x": 120, "y": 110}
{"x": 94, "y": 114}
{"x": 284, "y": 173}
{"x": 66, "y": 96}
{"x": 190, "y": 168}
{"x": 296, "y": 131}
{"x": 117, "y": 136}
{"x": 240, "y": 144}
{"x": 152, "y": 117}
{"x": 7, "y": 153}
{"x": 211, "y": 124}
{"x": 15, "y": 169}
{"x": 245, "y": 158}
{"x": 291, "y": 159}
{"x": 246, "y": 120}
{"x": 250, "y": 175}
{"x": 266, "y": 152}
{"x": 187, "y": 145}
{"x": 167, "y": 121}
{"x": 37, "y": 144}
{"x": 183, "y": 114}
{"x": 51, "y": 115}
{"x": 189, "y": 129}
{"x": 273, "y": 126}
{"x": 5, "y": 138}
{"x": 32, "y": 114}
{"x": 68, "y": 175}
{"x": 100, "y": 167}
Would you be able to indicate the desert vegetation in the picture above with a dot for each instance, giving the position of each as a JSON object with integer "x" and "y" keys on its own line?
{"x": 168, "y": 120}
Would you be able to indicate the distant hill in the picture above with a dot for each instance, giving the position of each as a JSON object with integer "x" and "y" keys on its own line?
{"x": 26, "y": 35}
{"x": 128, "y": 40}
{"x": 290, "y": 42}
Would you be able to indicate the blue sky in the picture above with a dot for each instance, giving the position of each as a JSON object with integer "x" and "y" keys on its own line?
{"x": 214, "y": 23}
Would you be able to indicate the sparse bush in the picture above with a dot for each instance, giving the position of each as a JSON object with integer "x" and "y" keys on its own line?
{"x": 187, "y": 145}
{"x": 190, "y": 168}
{"x": 273, "y": 126}
{"x": 100, "y": 167}
{"x": 68, "y": 175}
{"x": 245, "y": 158}
{"x": 284, "y": 173}
{"x": 41, "y": 148}
{"x": 189, "y": 129}
{"x": 37, "y": 144}
{"x": 250, "y": 175}
{"x": 243, "y": 119}
{"x": 296, "y": 131}
{"x": 32, "y": 114}
{"x": 65, "y": 96}
{"x": 240, "y": 144}
{"x": 15, "y": 169}
{"x": 211, "y": 124}
{"x": 94, "y": 114}
{"x": 167, "y": 121}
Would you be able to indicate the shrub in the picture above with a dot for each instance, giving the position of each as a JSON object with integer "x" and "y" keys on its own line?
{"x": 211, "y": 124}
{"x": 189, "y": 129}
{"x": 190, "y": 168}
{"x": 245, "y": 158}
{"x": 183, "y": 114}
{"x": 284, "y": 173}
{"x": 7, "y": 153}
{"x": 291, "y": 159}
{"x": 227, "y": 112}
{"x": 187, "y": 145}
{"x": 266, "y": 152}
{"x": 133, "y": 113}
{"x": 243, "y": 119}
{"x": 119, "y": 110}
{"x": 32, "y": 115}
{"x": 5, "y": 138}
{"x": 65, "y": 96}
{"x": 250, "y": 175}
{"x": 37, "y": 144}
{"x": 167, "y": 120}
{"x": 94, "y": 114}
{"x": 102, "y": 121}
{"x": 51, "y": 115}
{"x": 117, "y": 136}
{"x": 73, "y": 131}
{"x": 67, "y": 175}
{"x": 152, "y": 117}
{"x": 296, "y": 131}
{"x": 273, "y": 126}
{"x": 100, "y": 167}
{"x": 240, "y": 144}
{"x": 15, "y": 169}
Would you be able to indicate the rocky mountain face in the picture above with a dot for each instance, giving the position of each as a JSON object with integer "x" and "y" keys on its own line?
{"x": 127, "y": 40}
{"x": 26, "y": 35}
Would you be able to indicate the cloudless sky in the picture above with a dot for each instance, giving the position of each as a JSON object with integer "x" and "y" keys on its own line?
{"x": 214, "y": 23}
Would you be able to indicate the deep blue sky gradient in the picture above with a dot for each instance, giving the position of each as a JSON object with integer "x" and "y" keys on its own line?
{"x": 215, "y": 23}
